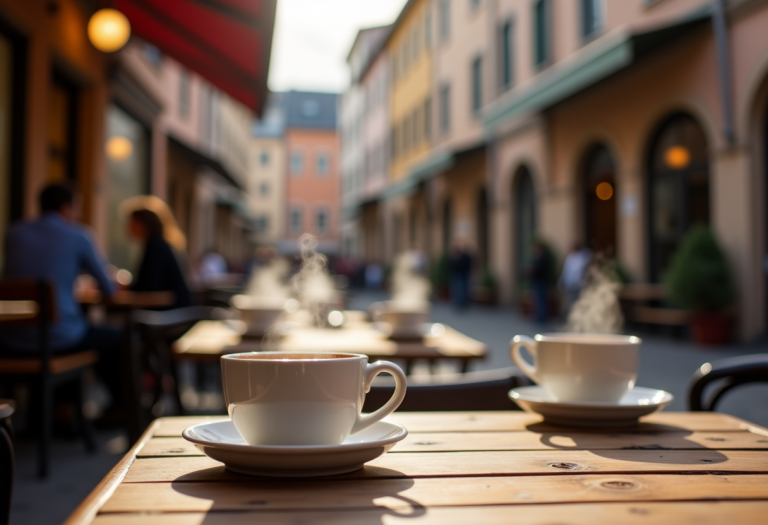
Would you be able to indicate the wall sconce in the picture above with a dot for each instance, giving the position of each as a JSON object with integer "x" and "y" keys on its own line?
{"x": 108, "y": 30}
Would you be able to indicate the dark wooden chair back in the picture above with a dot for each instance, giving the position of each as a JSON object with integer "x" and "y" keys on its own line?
{"x": 7, "y": 460}
{"x": 725, "y": 375}
{"x": 37, "y": 293}
{"x": 488, "y": 390}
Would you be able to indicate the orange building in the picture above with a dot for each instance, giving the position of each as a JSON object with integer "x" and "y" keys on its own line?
{"x": 312, "y": 169}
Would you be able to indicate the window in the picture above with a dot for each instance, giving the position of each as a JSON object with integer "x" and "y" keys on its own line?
{"x": 262, "y": 224}
{"x": 264, "y": 158}
{"x": 428, "y": 119}
{"x": 297, "y": 163}
{"x": 445, "y": 108}
{"x": 477, "y": 84}
{"x": 184, "y": 93}
{"x": 445, "y": 20}
{"x": 296, "y": 220}
{"x": 321, "y": 221}
{"x": 591, "y": 17}
{"x": 678, "y": 188}
{"x": 541, "y": 32}
{"x": 416, "y": 133}
{"x": 506, "y": 55}
{"x": 322, "y": 164}
{"x": 264, "y": 189}
{"x": 416, "y": 43}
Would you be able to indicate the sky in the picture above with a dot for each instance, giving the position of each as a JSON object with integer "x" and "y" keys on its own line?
{"x": 312, "y": 39}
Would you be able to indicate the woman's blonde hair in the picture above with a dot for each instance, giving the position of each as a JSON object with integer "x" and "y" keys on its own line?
{"x": 150, "y": 203}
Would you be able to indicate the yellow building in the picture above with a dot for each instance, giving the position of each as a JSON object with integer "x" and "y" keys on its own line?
{"x": 408, "y": 47}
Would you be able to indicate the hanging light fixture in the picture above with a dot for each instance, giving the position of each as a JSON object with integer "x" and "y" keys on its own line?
{"x": 119, "y": 148}
{"x": 677, "y": 157}
{"x": 108, "y": 30}
{"x": 604, "y": 191}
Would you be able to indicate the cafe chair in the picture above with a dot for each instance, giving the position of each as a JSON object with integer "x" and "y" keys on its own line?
{"x": 44, "y": 371}
{"x": 157, "y": 330}
{"x": 486, "y": 390}
{"x": 725, "y": 375}
{"x": 7, "y": 460}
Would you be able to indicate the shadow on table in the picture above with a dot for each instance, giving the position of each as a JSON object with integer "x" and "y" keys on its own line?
{"x": 643, "y": 443}
{"x": 230, "y": 494}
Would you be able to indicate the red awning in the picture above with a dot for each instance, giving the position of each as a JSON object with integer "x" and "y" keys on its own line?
{"x": 228, "y": 42}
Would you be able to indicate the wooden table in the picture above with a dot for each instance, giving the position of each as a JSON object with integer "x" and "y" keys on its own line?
{"x": 208, "y": 340}
{"x": 464, "y": 467}
{"x": 17, "y": 310}
{"x": 126, "y": 299}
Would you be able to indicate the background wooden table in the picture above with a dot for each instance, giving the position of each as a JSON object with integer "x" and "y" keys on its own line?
{"x": 459, "y": 467}
{"x": 208, "y": 340}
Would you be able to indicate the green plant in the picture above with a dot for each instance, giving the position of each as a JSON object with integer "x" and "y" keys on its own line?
{"x": 439, "y": 272}
{"x": 487, "y": 279}
{"x": 698, "y": 278}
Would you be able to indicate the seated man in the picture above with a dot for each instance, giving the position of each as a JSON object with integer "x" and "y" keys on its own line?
{"x": 55, "y": 247}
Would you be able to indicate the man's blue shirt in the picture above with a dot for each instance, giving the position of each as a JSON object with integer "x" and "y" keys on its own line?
{"x": 59, "y": 250}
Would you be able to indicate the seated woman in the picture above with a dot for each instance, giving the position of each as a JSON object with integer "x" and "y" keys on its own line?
{"x": 151, "y": 223}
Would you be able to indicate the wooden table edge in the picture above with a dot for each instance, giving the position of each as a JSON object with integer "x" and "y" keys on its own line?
{"x": 89, "y": 508}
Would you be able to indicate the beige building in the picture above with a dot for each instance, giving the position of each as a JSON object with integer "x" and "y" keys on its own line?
{"x": 612, "y": 123}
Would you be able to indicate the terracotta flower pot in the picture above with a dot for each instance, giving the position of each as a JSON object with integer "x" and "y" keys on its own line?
{"x": 712, "y": 329}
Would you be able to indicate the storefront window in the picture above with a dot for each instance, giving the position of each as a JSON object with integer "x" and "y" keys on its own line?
{"x": 127, "y": 150}
{"x": 6, "y": 67}
{"x": 524, "y": 198}
{"x": 600, "y": 201}
{"x": 62, "y": 111}
{"x": 679, "y": 188}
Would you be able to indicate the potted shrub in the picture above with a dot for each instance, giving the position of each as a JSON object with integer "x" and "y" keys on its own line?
{"x": 485, "y": 291}
{"x": 699, "y": 280}
{"x": 439, "y": 275}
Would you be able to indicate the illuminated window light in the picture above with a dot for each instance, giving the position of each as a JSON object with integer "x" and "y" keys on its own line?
{"x": 119, "y": 148}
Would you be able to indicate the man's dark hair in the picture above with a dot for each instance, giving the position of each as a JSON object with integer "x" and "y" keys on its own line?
{"x": 54, "y": 196}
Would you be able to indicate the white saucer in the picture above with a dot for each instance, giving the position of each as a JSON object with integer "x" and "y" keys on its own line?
{"x": 220, "y": 440}
{"x": 636, "y": 403}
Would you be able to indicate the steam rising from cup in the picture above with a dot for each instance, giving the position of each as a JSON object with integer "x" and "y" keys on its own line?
{"x": 597, "y": 309}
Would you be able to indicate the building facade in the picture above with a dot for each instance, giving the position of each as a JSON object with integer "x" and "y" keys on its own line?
{"x": 612, "y": 124}
{"x": 267, "y": 181}
{"x": 312, "y": 180}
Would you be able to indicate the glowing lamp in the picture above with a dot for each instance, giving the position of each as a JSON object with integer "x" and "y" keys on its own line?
{"x": 677, "y": 157}
{"x": 108, "y": 30}
{"x": 119, "y": 148}
{"x": 604, "y": 191}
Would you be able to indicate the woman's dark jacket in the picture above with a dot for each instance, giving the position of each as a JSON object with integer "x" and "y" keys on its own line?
{"x": 160, "y": 271}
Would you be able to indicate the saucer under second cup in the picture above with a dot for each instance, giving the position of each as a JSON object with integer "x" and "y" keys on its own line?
{"x": 636, "y": 403}
{"x": 220, "y": 440}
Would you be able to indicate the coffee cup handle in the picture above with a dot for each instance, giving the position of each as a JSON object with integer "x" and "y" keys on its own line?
{"x": 371, "y": 371}
{"x": 518, "y": 342}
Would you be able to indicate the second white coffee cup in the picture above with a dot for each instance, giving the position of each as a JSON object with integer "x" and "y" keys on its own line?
{"x": 280, "y": 398}
{"x": 580, "y": 367}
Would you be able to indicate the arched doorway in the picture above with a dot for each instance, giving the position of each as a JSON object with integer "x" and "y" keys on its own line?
{"x": 524, "y": 214}
{"x": 678, "y": 192}
{"x": 600, "y": 201}
{"x": 481, "y": 212}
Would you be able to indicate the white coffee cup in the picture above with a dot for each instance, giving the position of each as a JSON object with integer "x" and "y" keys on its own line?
{"x": 281, "y": 398}
{"x": 580, "y": 367}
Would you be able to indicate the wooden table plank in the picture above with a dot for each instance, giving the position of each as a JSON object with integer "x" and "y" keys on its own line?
{"x": 514, "y": 421}
{"x": 636, "y": 513}
{"x": 476, "y": 441}
{"x": 501, "y": 463}
{"x": 430, "y": 492}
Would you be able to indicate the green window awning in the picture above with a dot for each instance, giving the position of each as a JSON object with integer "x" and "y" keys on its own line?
{"x": 595, "y": 62}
